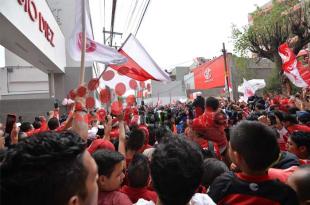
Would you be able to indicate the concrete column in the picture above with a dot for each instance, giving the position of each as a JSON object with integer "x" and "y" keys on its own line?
{"x": 3, "y": 81}
{"x": 51, "y": 84}
{"x": 60, "y": 87}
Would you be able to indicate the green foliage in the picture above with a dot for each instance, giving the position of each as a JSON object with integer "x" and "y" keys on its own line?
{"x": 273, "y": 83}
{"x": 269, "y": 28}
{"x": 243, "y": 70}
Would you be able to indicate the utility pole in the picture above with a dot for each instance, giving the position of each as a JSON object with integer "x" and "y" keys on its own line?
{"x": 105, "y": 38}
{"x": 226, "y": 73}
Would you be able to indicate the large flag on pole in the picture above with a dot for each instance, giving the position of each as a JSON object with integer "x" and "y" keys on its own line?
{"x": 94, "y": 50}
{"x": 140, "y": 65}
{"x": 294, "y": 70}
{"x": 210, "y": 74}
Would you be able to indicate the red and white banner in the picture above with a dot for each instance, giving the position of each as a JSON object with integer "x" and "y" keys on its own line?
{"x": 94, "y": 50}
{"x": 210, "y": 74}
{"x": 294, "y": 70}
{"x": 140, "y": 65}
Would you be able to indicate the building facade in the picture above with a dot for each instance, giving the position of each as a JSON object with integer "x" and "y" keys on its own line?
{"x": 35, "y": 68}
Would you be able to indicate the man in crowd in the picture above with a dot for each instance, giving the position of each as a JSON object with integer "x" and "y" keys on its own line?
{"x": 49, "y": 168}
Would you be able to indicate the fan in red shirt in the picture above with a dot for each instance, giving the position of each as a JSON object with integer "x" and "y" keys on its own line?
{"x": 253, "y": 148}
{"x": 212, "y": 123}
{"x": 291, "y": 124}
{"x": 299, "y": 144}
{"x": 138, "y": 179}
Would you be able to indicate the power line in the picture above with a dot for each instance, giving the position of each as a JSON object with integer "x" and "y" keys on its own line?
{"x": 112, "y": 21}
{"x": 129, "y": 19}
{"x": 136, "y": 17}
{"x": 147, "y": 5}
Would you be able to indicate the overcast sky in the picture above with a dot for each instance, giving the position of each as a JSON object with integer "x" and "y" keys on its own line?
{"x": 177, "y": 31}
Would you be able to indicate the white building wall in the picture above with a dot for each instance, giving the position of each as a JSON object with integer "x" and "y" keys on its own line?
{"x": 64, "y": 13}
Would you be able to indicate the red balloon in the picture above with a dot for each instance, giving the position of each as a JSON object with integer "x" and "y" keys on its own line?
{"x": 78, "y": 106}
{"x": 72, "y": 94}
{"x": 93, "y": 84}
{"x": 105, "y": 95}
{"x": 131, "y": 99}
{"x": 142, "y": 84}
{"x": 108, "y": 75}
{"x": 133, "y": 84}
{"x": 81, "y": 91}
{"x": 116, "y": 108}
{"x": 120, "y": 89}
{"x": 101, "y": 114}
{"x": 123, "y": 70}
{"x": 90, "y": 102}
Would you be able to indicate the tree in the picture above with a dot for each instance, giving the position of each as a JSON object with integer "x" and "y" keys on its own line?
{"x": 284, "y": 21}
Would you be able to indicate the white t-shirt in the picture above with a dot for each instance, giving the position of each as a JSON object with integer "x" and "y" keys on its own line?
{"x": 197, "y": 199}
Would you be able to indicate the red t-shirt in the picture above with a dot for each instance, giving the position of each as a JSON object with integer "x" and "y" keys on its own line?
{"x": 135, "y": 194}
{"x": 113, "y": 198}
{"x": 298, "y": 127}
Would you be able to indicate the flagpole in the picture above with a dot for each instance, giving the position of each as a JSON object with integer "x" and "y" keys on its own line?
{"x": 226, "y": 72}
{"x": 82, "y": 69}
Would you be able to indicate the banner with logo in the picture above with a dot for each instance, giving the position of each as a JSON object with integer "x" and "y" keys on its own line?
{"x": 210, "y": 74}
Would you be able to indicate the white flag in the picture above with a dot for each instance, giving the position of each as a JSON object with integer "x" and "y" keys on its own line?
{"x": 140, "y": 65}
{"x": 247, "y": 89}
{"x": 94, "y": 50}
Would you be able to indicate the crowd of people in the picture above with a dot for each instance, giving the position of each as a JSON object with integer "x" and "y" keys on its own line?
{"x": 209, "y": 151}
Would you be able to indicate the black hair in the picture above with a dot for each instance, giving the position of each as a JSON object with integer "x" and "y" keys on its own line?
{"x": 260, "y": 106}
{"x": 279, "y": 114}
{"x": 36, "y": 124}
{"x": 213, "y": 103}
{"x": 303, "y": 184}
{"x": 290, "y": 118}
{"x": 44, "y": 169}
{"x": 136, "y": 139}
{"x": 106, "y": 161}
{"x": 212, "y": 168}
{"x": 138, "y": 171}
{"x": 162, "y": 132}
{"x": 301, "y": 139}
{"x": 176, "y": 170}
{"x": 53, "y": 123}
{"x": 293, "y": 110}
{"x": 25, "y": 127}
{"x": 256, "y": 143}
{"x": 272, "y": 117}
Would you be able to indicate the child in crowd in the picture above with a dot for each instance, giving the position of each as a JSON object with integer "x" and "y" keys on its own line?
{"x": 111, "y": 175}
{"x": 299, "y": 144}
{"x": 252, "y": 148}
{"x": 138, "y": 180}
{"x": 176, "y": 170}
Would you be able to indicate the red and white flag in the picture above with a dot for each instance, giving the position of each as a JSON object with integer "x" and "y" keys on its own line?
{"x": 94, "y": 50}
{"x": 294, "y": 70}
{"x": 140, "y": 65}
{"x": 121, "y": 84}
{"x": 247, "y": 89}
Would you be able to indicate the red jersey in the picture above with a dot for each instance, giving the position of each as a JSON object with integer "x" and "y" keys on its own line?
{"x": 298, "y": 127}
{"x": 135, "y": 194}
{"x": 239, "y": 189}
